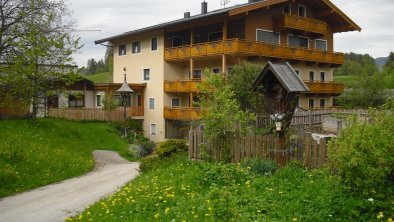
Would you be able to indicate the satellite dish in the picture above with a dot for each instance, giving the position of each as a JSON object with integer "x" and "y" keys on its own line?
{"x": 224, "y": 2}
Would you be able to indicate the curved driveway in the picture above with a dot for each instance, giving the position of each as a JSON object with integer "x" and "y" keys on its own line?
{"x": 58, "y": 201}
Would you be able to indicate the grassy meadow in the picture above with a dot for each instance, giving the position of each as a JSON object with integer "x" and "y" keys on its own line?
{"x": 36, "y": 153}
{"x": 176, "y": 189}
{"x": 104, "y": 77}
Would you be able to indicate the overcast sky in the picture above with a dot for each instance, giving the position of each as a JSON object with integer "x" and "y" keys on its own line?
{"x": 117, "y": 16}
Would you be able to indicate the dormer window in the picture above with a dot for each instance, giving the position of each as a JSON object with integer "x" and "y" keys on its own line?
{"x": 301, "y": 11}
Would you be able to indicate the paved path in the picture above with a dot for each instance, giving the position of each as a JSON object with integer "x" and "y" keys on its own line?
{"x": 61, "y": 200}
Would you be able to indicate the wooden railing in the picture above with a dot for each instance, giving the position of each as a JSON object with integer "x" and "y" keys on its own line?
{"x": 325, "y": 87}
{"x": 181, "y": 86}
{"x": 96, "y": 114}
{"x": 285, "y": 21}
{"x": 252, "y": 48}
{"x": 189, "y": 114}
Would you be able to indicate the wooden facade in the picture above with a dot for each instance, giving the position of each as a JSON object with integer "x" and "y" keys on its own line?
{"x": 181, "y": 86}
{"x": 183, "y": 113}
{"x": 325, "y": 87}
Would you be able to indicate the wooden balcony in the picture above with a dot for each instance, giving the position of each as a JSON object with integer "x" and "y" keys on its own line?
{"x": 181, "y": 86}
{"x": 136, "y": 111}
{"x": 187, "y": 114}
{"x": 252, "y": 48}
{"x": 286, "y": 21}
{"x": 325, "y": 87}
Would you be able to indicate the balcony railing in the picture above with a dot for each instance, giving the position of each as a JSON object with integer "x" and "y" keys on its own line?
{"x": 252, "y": 48}
{"x": 325, "y": 87}
{"x": 286, "y": 21}
{"x": 180, "y": 113}
{"x": 181, "y": 86}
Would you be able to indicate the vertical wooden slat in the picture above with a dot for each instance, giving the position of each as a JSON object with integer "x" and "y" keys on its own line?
{"x": 191, "y": 143}
{"x": 322, "y": 152}
{"x": 237, "y": 146}
{"x": 307, "y": 161}
{"x": 314, "y": 158}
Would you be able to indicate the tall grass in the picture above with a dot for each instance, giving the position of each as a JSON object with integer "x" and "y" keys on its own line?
{"x": 36, "y": 153}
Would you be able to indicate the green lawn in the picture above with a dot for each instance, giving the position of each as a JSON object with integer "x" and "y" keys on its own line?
{"x": 347, "y": 80}
{"x": 176, "y": 189}
{"x": 36, "y": 153}
{"x": 104, "y": 77}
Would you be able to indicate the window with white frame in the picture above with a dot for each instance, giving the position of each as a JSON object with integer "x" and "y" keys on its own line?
{"x": 175, "y": 102}
{"x": 322, "y": 103}
{"x": 154, "y": 44}
{"x": 267, "y": 36}
{"x": 311, "y": 103}
{"x": 136, "y": 47}
{"x": 153, "y": 129}
{"x": 151, "y": 104}
{"x": 146, "y": 74}
{"x": 122, "y": 49}
{"x": 311, "y": 76}
{"x": 216, "y": 70}
{"x": 321, "y": 44}
{"x": 98, "y": 100}
{"x": 197, "y": 74}
{"x": 298, "y": 41}
{"x": 322, "y": 76}
{"x": 301, "y": 11}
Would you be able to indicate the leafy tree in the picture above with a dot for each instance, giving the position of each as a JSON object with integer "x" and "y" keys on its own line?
{"x": 91, "y": 67}
{"x": 101, "y": 67}
{"x": 221, "y": 110}
{"x": 240, "y": 82}
{"x": 39, "y": 58}
{"x": 109, "y": 59}
{"x": 389, "y": 66}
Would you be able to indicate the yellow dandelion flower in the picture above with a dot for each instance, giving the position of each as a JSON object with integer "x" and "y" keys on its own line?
{"x": 157, "y": 215}
{"x": 295, "y": 219}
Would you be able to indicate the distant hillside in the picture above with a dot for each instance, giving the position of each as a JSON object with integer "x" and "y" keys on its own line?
{"x": 380, "y": 62}
{"x": 104, "y": 77}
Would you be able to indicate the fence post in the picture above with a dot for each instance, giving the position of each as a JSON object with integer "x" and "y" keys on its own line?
{"x": 300, "y": 142}
{"x": 310, "y": 118}
{"x": 191, "y": 143}
{"x": 339, "y": 127}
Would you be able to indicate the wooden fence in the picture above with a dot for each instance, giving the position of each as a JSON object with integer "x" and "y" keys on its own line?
{"x": 303, "y": 148}
{"x": 115, "y": 115}
{"x": 312, "y": 117}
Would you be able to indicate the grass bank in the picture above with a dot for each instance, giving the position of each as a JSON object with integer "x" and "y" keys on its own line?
{"x": 104, "y": 77}
{"x": 36, "y": 153}
{"x": 176, "y": 189}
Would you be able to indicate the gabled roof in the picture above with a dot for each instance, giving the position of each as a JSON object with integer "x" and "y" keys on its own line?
{"x": 340, "y": 18}
{"x": 286, "y": 76}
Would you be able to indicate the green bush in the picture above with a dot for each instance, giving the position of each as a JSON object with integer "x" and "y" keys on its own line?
{"x": 363, "y": 155}
{"x": 221, "y": 174}
{"x": 149, "y": 163}
{"x": 260, "y": 166}
{"x": 169, "y": 147}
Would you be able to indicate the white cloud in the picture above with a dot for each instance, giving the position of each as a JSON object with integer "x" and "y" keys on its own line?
{"x": 118, "y": 16}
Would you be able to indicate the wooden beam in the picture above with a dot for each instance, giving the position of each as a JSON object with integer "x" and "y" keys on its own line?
{"x": 324, "y": 13}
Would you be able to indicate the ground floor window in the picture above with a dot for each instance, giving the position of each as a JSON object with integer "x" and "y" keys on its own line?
{"x": 311, "y": 103}
{"x": 153, "y": 129}
{"x": 75, "y": 101}
{"x": 98, "y": 100}
{"x": 322, "y": 102}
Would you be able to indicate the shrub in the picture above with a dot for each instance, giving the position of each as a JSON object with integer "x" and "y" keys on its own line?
{"x": 149, "y": 163}
{"x": 260, "y": 166}
{"x": 364, "y": 155}
{"x": 221, "y": 174}
{"x": 167, "y": 148}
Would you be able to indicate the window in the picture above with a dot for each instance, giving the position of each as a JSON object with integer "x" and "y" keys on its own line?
{"x": 286, "y": 9}
{"x": 177, "y": 41}
{"x": 154, "y": 44}
{"x": 197, "y": 74}
{"x": 267, "y": 36}
{"x": 216, "y": 70}
{"x": 311, "y": 76}
{"x": 297, "y": 71}
{"x": 322, "y": 76}
{"x": 301, "y": 11}
{"x": 311, "y": 103}
{"x": 151, "y": 103}
{"x": 215, "y": 36}
{"x": 321, "y": 44}
{"x": 122, "y": 50}
{"x": 298, "y": 41}
{"x": 322, "y": 102}
{"x": 98, "y": 100}
{"x": 75, "y": 100}
{"x": 197, "y": 39}
{"x": 153, "y": 129}
{"x": 297, "y": 103}
{"x": 175, "y": 102}
{"x": 136, "y": 47}
{"x": 120, "y": 100}
{"x": 146, "y": 73}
